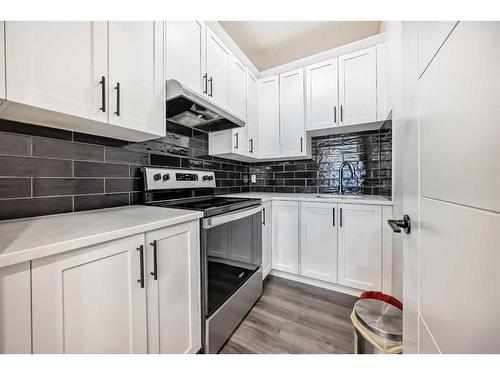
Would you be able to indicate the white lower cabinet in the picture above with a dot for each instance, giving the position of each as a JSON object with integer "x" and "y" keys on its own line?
{"x": 15, "y": 309}
{"x": 360, "y": 246}
{"x": 173, "y": 289}
{"x": 318, "y": 240}
{"x": 111, "y": 298}
{"x": 90, "y": 300}
{"x": 285, "y": 224}
{"x": 336, "y": 244}
{"x": 267, "y": 238}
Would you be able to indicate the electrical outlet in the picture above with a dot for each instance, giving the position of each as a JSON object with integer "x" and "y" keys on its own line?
{"x": 254, "y": 179}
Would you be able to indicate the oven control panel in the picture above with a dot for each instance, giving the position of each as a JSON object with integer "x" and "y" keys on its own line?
{"x": 163, "y": 178}
{"x": 186, "y": 177}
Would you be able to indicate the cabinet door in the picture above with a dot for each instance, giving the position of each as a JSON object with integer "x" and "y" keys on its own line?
{"x": 360, "y": 246}
{"x": 2, "y": 60}
{"x": 358, "y": 87}
{"x": 174, "y": 312}
{"x": 292, "y": 116}
{"x": 318, "y": 238}
{"x": 266, "y": 239}
{"x": 238, "y": 88}
{"x": 218, "y": 60}
{"x": 238, "y": 102}
{"x": 252, "y": 115}
{"x": 285, "y": 253}
{"x": 58, "y": 66}
{"x": 89, "y": 301}
{"x": 136, "y": 76}
{"x": 322, "y": 95}
{"x": 269, "y": 117}
{"x": 15, "y": 309}
{"x": 185, "y": 53}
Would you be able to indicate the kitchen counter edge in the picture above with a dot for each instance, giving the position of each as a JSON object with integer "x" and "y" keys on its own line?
{"x": 28, "y": 239}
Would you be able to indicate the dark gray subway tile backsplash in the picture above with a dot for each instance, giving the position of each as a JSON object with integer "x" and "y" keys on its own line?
{"x": 49, "y": 171}
{"x": 369, "y": 151}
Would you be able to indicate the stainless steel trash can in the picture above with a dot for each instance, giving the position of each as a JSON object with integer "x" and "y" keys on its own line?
{"x": 378, "y": 327}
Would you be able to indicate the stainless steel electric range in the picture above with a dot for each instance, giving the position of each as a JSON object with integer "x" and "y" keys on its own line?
{"x": 230, "y": 243}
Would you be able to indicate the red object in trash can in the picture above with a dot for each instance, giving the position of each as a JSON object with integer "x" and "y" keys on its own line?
{"x": 382, "y": 297}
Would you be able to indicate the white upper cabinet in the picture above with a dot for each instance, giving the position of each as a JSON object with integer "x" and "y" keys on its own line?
{"x": 185, "y": 53}
{"x": 322, "y": 94}
{"x": 360, "y": 246}
{"x": 173, "y": 289}
{"x": 358, "y": 87}
{"x": 2, "y": 60}
{"x": 292, "y": 117}
{"x": 318, "y": 236}
{"x": 252, "y": 115}
{"x": 58, "y": 66}
{"x": 285, "y": 253}
{"x": 90, "y": 300}
{"x": 136, "y": 76}
{"x": 269, "y": 117}
{"x": 218, "y": 61}
{"x": 238, "y": 102}
{"x": 237, "y": 88}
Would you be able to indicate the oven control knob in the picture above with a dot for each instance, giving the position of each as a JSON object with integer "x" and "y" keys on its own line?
{"x": 166, "y": 177}
{"x": 157, "y": 176}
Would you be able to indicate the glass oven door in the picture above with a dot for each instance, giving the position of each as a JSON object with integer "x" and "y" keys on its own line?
{"x": 232, "y": 252}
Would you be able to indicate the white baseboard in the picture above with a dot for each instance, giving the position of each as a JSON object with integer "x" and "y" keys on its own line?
{"x": 317, "y": 283}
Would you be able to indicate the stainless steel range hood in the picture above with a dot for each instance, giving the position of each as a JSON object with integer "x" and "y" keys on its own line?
{"x": 187, "y": 108}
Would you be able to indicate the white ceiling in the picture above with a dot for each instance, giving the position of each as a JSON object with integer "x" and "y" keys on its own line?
{"x": 271, "y": 43}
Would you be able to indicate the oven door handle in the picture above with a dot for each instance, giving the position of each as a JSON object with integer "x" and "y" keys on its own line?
{"x": 233, "y": 216}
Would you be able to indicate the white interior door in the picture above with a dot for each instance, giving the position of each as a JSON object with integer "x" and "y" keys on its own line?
{"x": 218, "y": 61}
{"x": 318, "y": 238}
{"x": 322, "y": 95}
{"x": 358, "y": 87}
{"x": 136, "y": 76}
{"x": 252, "y": 115}
{"x": 285, "y": 252}
{"x": 58, "y": 66}
{"x": 174, "y": 301}
{"x": 90, "y": 301}
{"x": 269, "y": 117}
{"x": 360, "y": 256}
{"x": 458, "y": 250}
{"x": 185, "y": 53}
{"x": 292, "y": 116}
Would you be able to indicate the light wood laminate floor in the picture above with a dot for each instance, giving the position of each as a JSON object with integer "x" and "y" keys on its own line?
{"x": 292, "y": 317}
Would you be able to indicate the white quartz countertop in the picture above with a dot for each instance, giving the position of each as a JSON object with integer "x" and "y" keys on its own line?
{"x": 27, "y": 239}
{"x": 332, "y": 198}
